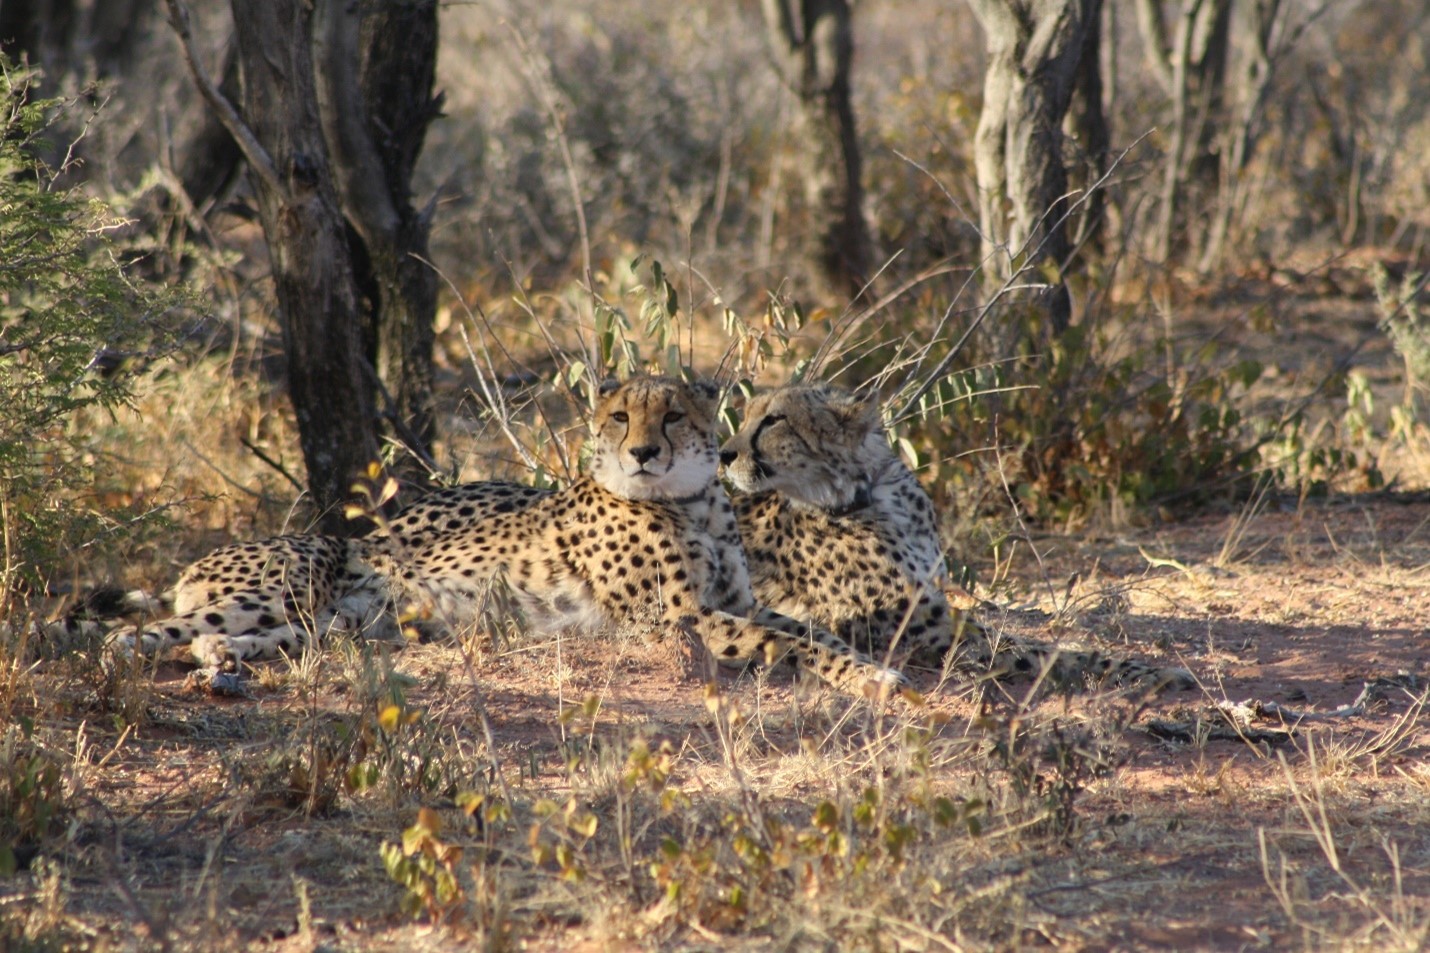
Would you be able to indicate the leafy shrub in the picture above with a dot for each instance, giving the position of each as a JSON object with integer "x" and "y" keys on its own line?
{"x": 74, "y": 329}
{"x": 1095, "y": 422}
{"x": 1407, "y": 324}
{"x": 34, "y": 800}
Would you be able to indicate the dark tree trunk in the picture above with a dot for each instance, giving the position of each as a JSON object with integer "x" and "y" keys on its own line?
{"x": 38, "y": 31}
{"x": 337, "y": 97}
{"x": 306, "y": 239}
{"x": 813, "y": 46}
{"x": 1087, "y": 123}
{"x": 1192, "y": 64}
{"x": 1034, "y": 48}
{"x": 113, "y": 34}
{"x": 375, "y": 72}
{"x": 90, "y": 39}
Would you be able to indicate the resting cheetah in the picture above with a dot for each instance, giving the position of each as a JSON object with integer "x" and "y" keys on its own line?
{"x": 839, "y": 532}
{"x": 647, "y": 537}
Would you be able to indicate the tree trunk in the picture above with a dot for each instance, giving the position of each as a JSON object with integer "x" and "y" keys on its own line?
{"x": 336, "y": 102}
{"x": 1239, "y": 135}
{"x": 312, "y": 271}
{"x": 38, "y": 31}
{"x": 84, "y": 39}
{"x": 1034, "y": 48}
{"x": 812, "y": 42}
{"x": 376, "y": 63}
{"x": 1193, "y": 67}
{"x": 1087, "y": 124}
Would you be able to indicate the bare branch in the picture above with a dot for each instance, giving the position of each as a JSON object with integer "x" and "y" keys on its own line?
{"x": 359, "y": 177}
{"x": 253, "y": 151}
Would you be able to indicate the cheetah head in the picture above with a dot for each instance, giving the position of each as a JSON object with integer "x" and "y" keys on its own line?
{"x": 655, "y": 438}
{"x": 814, "y": 444}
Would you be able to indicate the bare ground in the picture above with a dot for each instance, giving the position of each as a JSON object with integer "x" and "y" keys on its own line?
{"x": 217, "y": 822}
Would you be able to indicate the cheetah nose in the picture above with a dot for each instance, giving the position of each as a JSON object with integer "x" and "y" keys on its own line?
{"x": 727, "y": 457}
{"x": 645, "y": 454}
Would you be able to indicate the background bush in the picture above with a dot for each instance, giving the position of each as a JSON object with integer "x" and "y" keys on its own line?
{"x": 74, "y": 331}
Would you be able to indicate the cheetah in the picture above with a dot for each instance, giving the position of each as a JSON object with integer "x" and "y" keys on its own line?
{"x": 648, "y": 537}
{"x": 839, "y": 532}
{"x": 836, "y": 531}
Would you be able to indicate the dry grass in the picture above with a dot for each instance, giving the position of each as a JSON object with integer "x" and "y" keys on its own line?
{"x": 619, "y": 803}
{"x": 588, "y": 792}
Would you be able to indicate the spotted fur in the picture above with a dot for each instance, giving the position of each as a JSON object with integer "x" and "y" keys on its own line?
{"x": 839, "y": 532}
{"x": 648, "y": 539}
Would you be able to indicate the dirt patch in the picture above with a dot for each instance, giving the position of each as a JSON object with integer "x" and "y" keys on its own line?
{"x": 238, "y": 822}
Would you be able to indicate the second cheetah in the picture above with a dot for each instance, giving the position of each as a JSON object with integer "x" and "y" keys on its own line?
{"x": 838, "y": 531}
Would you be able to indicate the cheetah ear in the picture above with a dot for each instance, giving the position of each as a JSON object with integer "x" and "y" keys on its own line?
{"x": 608, "y": 386}
{"x": 706, "y": 393}
{"x": 859, "y": 415}
{"x": 706, "y": 390}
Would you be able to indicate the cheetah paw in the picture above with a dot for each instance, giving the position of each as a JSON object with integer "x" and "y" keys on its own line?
{"x": 1177, "y": 680}
{"x": 120, "y": 649}
{"x": 205, "y": 681}
{"x": 215, "y": 652}
{"x": 881, "y": 681}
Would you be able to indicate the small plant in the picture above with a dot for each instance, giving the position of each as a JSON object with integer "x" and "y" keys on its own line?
{"x": 1091, "y": 425}
{"x": 1049, "y": 765}
{"x": 429, "y": 866}
{"x": 306, "y": 770}
{"x": 41, "y": 926}
{"x": 1406, "y": 322}
{"x": 34, "y": 798}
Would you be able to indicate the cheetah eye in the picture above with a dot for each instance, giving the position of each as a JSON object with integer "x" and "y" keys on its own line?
{"x": 620, "y": 417}
{"x": 773, "y": 419}
{"x": 674, "y": 416}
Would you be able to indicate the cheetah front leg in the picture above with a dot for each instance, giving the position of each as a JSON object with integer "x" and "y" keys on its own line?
{"x": 770, "y": 636}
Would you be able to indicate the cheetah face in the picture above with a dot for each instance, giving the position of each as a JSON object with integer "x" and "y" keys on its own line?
{"x": 813, "y": 444}
{"x": 655, "y": 439}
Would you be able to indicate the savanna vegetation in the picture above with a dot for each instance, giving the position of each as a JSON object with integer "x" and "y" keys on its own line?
{"x": 1141, "y": 286}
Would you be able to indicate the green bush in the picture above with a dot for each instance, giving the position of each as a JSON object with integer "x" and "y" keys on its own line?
{"x": 74, "y": 331}
{"x": 1097, "y": 421}
{"x": 34, "y": 798}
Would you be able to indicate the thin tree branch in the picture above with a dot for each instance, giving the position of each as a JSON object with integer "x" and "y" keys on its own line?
{"x": 258, "y": 159}
{"x": 359, "y": 177}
